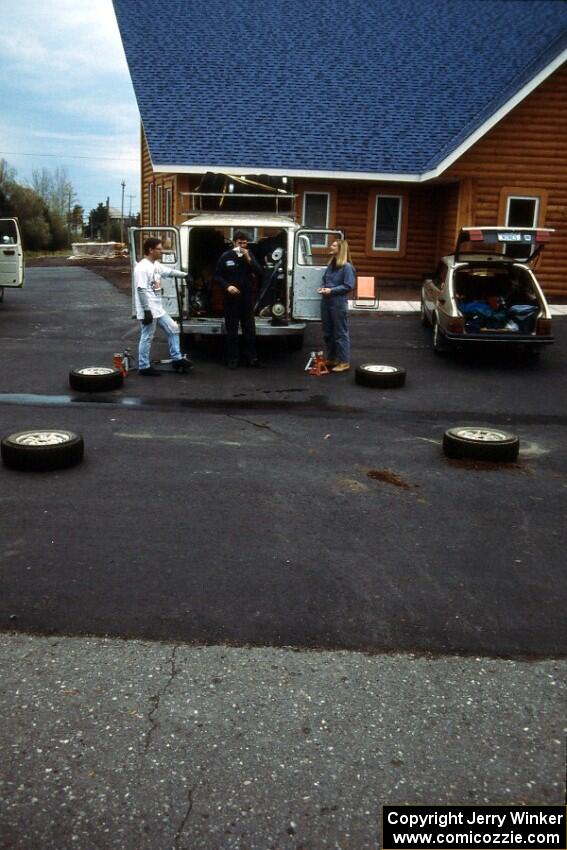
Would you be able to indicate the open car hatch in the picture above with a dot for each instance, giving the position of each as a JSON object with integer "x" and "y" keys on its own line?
{"x": 520, "y": 244}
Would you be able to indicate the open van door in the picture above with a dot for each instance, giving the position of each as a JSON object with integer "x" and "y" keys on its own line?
{"x": 170, "y": 239}
{"x": 11, "y": 255}
{"x": 310, "y": 261}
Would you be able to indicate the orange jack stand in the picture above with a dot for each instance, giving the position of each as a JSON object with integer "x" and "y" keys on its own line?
{"x": 316, "y": 364}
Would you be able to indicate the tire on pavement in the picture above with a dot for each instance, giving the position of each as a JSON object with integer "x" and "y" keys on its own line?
{"x": 377, "y": 375}
{"x": 92, "y": 379}
{"x": 42, "y": 449}
{"x": 479, "y": 443}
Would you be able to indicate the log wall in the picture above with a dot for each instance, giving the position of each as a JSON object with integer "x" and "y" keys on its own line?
{"x": 526, "y": 152}
{"x": 177, "y": 182}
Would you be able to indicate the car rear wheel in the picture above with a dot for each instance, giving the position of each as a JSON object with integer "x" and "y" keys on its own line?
{"x": 479, "y": 443}
{"x": 377, "y": 375}
{"x": 94, "y": 379}
{"x": 42, "y": 450}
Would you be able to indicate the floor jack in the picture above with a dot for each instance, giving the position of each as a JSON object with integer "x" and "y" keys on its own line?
{"x": 316, "y": 364}
{"x": 121, "y": 362}
{"x": 182, "y": 366}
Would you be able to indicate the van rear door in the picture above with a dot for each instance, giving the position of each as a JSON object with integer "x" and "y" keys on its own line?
{"x": 311, "y": 257}
{"x": 11, "y": 254}
{"x": 171, "y": 256}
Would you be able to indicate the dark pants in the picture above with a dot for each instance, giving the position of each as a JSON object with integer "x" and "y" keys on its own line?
{"x": 334, "y": 317}
{"x": 240, "y": 309}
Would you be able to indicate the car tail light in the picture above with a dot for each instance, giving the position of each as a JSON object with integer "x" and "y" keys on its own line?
{"x": 456, "y": 326}
{"x": 476, "y": 235}
{"x": 543, "y": 327}
{"x": 543, "y": 235}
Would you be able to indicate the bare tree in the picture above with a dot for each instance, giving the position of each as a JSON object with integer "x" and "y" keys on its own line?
{"x": 7, "y": 173}
{"x": 55, "y": 189}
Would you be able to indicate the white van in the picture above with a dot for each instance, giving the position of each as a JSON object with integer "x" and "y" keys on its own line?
{"x": 11, "y": 255}
{"x": 293, "y": 259}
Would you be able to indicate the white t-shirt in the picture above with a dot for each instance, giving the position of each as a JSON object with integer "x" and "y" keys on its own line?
{"x": 148, "y": 275}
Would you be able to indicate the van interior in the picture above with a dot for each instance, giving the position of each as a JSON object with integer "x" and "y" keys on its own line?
{"x": 207, "y": 244}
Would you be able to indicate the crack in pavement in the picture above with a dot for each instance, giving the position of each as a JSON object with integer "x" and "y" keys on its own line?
{"x": 183, "y": 823}
{"x": 155, "y": 700}
{"x": 256, "y": 424}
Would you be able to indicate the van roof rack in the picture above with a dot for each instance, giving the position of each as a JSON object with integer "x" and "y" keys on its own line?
{"x": 230, "y": 193}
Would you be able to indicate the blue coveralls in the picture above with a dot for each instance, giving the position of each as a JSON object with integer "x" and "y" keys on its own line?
{"x": 232, "y": 269}
{"x": 334, "y": 311}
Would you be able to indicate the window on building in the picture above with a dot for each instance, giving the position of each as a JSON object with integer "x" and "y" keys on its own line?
{"x": 316, "y": 207}
{"x": 521, "y": 211}
{"x": 168, "y": 207}
{"x": 151, "y": 219}
{"x": 387, "y": 223}
{"x": 159, "y": 205}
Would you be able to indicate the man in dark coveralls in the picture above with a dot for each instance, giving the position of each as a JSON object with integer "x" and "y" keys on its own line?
{"x": 234, "y": 273}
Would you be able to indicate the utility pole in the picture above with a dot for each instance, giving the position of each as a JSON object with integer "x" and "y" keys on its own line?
{"x": 130, "y": 210}
{"x": 108, "y": 218}
{"x": 123, "y": 184}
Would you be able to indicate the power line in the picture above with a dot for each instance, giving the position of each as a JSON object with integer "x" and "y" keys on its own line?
{"x": 68, "y": 156}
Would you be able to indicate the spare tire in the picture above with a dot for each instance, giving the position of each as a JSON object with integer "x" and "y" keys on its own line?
{"x": 376, "y": 375}
{"x": 94, "y": 379}
{"x": 480, "y": 443}
{"x": 42, "y": 450}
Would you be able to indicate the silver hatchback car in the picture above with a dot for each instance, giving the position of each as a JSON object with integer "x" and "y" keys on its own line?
{"x": 488, "y": 293}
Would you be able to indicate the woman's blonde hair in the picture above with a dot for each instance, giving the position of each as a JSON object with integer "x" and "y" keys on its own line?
{"x": 343, "y": 255}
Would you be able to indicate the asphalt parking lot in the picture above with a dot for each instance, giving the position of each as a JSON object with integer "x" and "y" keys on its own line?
{"x": 271, "y": 511}
{"x": 275, "y": 508}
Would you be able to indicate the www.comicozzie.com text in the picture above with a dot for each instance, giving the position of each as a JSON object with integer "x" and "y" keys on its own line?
{"x": 474, "y": 818}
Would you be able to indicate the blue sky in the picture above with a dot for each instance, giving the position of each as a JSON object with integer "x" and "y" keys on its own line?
{"x": 67, "y": 99}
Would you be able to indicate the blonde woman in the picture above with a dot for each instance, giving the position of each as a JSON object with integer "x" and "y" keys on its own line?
{"x": 338, "y": 281}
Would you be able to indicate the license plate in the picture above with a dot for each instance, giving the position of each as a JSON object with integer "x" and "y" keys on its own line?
{"x": 514, "y": 237}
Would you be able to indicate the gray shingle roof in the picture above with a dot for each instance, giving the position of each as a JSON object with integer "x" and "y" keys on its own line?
{"x": 382, "y": 86}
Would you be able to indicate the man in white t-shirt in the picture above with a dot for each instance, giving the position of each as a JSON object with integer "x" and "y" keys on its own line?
{"x": 150, "y": 311}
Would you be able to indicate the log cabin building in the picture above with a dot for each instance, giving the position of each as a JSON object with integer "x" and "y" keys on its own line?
{"x": 399, "y": 121}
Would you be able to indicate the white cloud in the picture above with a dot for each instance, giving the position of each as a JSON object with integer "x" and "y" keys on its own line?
{"x": 69, "y": 97}
{"x": 45, "y": 38}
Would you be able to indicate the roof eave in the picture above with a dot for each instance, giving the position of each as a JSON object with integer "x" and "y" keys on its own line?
{"x": 169, "y": 168}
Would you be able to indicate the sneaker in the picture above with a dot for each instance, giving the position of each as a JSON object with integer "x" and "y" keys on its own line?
{"x": 341, "y": 367}
{"x": 330, "y": 363}
{"x": 182, "y": 365}
{"x": 150, "y": 372}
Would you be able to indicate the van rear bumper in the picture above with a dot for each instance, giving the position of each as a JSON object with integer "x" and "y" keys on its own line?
{"x": 264, "y": 327}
